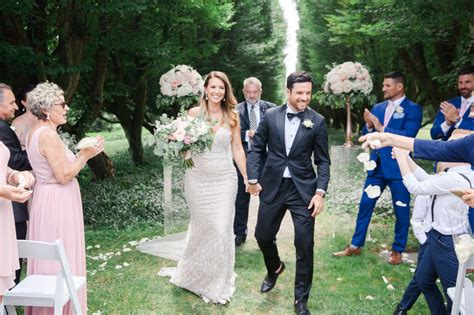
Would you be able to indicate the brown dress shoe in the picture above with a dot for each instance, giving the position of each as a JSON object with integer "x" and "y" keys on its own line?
{"x": 395, "y": 258}
{"x": 348, "y": 251}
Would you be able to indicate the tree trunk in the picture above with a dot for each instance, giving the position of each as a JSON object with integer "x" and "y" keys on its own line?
{"x": 471, "y": 31}
{"x": 101, "y": 166}
{"x": 418, "y": 68}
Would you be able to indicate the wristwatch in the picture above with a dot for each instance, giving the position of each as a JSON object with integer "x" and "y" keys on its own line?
{"x": 457, "y": 120}
{"x": 253, "y": 181}
{"x": 321, "y": 193}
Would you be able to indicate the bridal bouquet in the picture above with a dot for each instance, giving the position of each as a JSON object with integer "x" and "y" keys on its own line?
{"x": 177, "y": 140}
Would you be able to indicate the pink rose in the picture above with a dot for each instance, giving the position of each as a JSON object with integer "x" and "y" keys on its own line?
{"x": 187, "y": 140}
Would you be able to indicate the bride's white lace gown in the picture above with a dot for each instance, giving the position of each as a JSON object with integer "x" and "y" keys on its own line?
{"x": 207, "y": 264}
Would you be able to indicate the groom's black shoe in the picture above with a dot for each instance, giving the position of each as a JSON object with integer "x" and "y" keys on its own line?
{"x": 400, "y": 311}
{"x": 239, "y": 241}
{"x": 301, "y": 308}
{"x": 270, "y": 281}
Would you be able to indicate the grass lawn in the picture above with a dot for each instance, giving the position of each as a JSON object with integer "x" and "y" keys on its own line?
{"x": 127, "y": 282}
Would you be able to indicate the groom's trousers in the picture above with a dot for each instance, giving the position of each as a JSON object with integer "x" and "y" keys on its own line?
{"x": 269, "y": 220}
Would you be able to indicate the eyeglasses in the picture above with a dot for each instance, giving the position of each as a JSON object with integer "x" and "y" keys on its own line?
{"x": 63, "y": 104}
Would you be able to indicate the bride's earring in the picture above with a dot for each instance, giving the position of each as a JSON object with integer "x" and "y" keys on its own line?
{"x": 205, "y": 97}
{"x": 223, "y": 99}
{"x": 47, "y": 117}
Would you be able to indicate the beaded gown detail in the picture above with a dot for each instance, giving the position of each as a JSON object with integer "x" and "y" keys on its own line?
{"x": 206, "y": 266}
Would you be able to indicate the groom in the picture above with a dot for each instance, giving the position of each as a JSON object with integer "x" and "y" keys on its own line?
{"x": 293, "y": 134}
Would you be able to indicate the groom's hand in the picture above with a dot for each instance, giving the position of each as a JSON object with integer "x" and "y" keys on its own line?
{"x": 317, "y": 204}
{"x": 255, "y": 189}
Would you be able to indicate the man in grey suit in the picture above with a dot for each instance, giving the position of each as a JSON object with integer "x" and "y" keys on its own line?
{"x": 251, "y": 112}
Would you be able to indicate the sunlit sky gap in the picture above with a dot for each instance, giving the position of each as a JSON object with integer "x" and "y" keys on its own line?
{"x": 290, "y": 14}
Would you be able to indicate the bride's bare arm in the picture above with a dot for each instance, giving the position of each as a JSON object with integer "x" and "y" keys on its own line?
{"x": 238, "y": 151}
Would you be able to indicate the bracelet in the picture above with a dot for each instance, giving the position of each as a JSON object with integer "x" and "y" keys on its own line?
{"x": 10, "y": 175}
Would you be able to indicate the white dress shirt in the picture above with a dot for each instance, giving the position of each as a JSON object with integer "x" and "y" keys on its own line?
{"x": 450, "y": 212}
{"x": 465, "y": 105}
{"x": 291, "y": 128}
{"x": 257, "y": 115}
{"x": 421, "y": 217}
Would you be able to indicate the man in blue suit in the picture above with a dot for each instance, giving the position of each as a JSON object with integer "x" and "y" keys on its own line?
{"x": 455, "y": 113}
{"x": 397, "y": 115}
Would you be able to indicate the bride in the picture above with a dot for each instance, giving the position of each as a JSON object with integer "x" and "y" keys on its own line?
{"x": 206, "y": 266}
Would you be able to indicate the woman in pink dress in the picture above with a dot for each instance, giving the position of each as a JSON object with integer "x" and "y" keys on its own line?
{"x": 56, "y": 207}
{"x": 8, "y": 178}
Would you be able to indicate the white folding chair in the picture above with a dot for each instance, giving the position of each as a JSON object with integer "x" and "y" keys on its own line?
{"x": 463, "y": 294}
{"x": 45, "y": 290}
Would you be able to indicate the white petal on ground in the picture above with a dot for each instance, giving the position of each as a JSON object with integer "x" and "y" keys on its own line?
{"x": 102, "y": 265}
{"x": 390, "y": 287}
{"x": 126, "y": 249}
{"x": 370, "y": 165}
{"x": 400, "y": 204}
{"x": 385, "y": 279}
{"x": 97, "y": 246}
{"x": 133, "y": 243}
{"x": 369, "y": 297}
{"x": 88, "y": 247}
{"x": 363, "y": 157}
{"x": 372, "y": 191}
{"x": 118, "y": 267}
{"x": 126, "y": 264}
{"x": 339, "y": 279}
{"x": 412, "y": 270}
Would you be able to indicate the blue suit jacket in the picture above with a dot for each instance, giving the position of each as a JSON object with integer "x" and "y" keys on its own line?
{"x": 406, "y": 123}
{"x": 466, "y": 123}
{"x": 460, "y": 150}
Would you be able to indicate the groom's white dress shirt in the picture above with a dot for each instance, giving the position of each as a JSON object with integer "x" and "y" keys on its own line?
{"x": 291, "y": 128}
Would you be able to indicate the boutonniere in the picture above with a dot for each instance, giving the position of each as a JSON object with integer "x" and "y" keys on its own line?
{"x": 308, "y": 123}
{"x": 399, "y": 109}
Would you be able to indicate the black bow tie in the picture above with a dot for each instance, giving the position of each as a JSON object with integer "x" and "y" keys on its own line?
{"x": 292, "y": 115}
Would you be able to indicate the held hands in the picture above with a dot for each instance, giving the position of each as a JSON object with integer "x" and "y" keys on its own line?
{"x": 317, "y": 204}
{"x": 450, "y": 112}
{"x": 254, "y": 189}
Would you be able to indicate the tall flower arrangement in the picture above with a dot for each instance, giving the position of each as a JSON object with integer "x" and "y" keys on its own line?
{"x": 346, "y": 85}
{"x": 181, "y": 87}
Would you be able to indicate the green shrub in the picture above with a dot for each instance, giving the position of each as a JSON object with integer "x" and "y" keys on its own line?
{"x": 132, "y": 197}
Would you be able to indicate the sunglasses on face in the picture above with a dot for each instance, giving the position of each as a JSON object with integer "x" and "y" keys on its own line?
{"x": 63, "y": 104}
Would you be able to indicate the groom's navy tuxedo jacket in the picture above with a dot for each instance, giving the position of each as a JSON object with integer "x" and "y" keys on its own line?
{"x": 312, "y": 141}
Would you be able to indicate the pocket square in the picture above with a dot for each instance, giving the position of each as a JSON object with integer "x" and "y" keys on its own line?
{"x": 398, "y": 115}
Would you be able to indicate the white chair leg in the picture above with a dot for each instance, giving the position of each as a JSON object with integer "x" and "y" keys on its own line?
{"x": 2, "y": 309}
{"x": 11, "y": 310}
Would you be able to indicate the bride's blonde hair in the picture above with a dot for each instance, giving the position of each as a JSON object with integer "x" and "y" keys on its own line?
{"x": 228, "y": 103}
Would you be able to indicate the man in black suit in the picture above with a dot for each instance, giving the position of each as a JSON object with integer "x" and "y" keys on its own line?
{"x": 293, "y": 134}
{"x": 18, "y": 158}
{"x": 251, "y": 113}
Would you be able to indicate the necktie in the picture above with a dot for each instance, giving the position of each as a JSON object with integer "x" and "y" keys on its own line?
{"x": 388, "y": 113}
{"x": 464, "y": 108}
{"x": 253, "y": 118}
{"x": 293, "y": 115}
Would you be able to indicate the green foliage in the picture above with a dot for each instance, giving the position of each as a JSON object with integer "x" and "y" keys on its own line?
{"x": 134, "y": 196}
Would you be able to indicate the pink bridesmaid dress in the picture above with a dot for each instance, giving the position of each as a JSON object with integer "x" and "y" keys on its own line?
{"x": 55, "y": 213}
{"x": 8, "y": 248}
